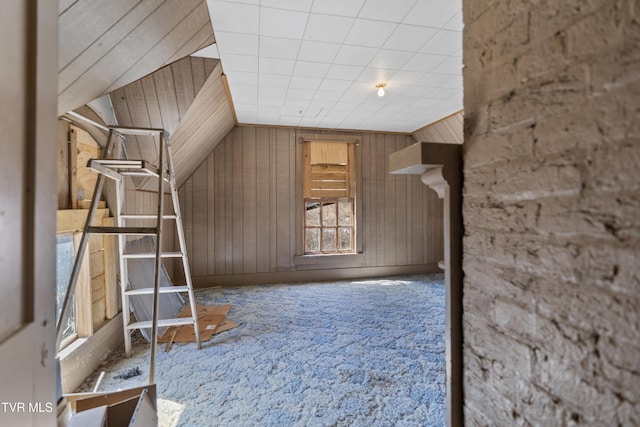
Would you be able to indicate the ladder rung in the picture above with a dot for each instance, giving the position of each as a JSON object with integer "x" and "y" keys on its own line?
{"x": 161, "y": 323}
{"x": 120, "y": 163}
{"x": 153, "y": 255}
{"x": 161, "y": 290}
{"x": 145, "y": 216}
{"x": 123, "y": 230}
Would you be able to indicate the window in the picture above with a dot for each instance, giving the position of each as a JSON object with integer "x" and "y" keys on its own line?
{"x": 64, "y": 265}
{"x": 329, "y": 198}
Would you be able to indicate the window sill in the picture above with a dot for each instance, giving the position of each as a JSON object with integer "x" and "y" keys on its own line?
{"x": 318, "y": 262}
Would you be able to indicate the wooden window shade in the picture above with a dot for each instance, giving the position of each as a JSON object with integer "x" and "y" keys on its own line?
{"x": 329, "y": 170}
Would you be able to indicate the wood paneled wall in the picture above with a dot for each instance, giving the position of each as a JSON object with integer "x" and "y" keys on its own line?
{"x": 239, "y": 208}
{"x": 447, "y": 130}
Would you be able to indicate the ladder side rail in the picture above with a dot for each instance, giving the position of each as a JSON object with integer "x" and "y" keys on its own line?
{"x": 158, "y": 265}
{"x": 182, "y": 243}
{"x": 77, "y": 264}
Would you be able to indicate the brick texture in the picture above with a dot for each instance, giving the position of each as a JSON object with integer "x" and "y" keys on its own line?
{"x": 552, "y": 212}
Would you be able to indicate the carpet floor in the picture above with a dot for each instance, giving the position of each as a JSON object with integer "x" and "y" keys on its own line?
{"x": 365, "y": 352}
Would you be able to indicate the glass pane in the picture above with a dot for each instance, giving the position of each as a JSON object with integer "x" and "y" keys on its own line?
{"x": 328, "y": 240}
{"x": 329, "y": 214}
{"x": 312, "y": 240}
{"x": 313, "y": 213}
{"x": 64, "y": 265}
{"x": 345, "y": 213}
{"x": 344, "y": 239}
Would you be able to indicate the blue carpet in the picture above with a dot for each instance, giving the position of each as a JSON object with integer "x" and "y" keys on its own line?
{"x": 347, "y": 353}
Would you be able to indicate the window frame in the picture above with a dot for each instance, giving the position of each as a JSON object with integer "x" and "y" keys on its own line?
{"x": 340, "y": 259}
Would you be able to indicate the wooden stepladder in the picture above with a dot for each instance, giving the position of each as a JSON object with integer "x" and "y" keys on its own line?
{"x": 118, "y": 169}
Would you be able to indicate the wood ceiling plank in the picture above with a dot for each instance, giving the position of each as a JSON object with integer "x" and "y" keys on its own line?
{"x": 183, "y": 83}
{"x": 188, "y": 19}
{"x": 138, "y": 44}
{"x": 203, "y": 38}
{"x": 69, "y": 73}
{"x": 197, "y": 73}
{"x": 81, "y": 25}
{"x": 121, "y": 110}
{"x": 139, "y": 113}
{"x": 167, "y": 100}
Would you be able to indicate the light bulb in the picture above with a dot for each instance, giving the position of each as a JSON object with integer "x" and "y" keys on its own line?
{"x": 381, "y": 92}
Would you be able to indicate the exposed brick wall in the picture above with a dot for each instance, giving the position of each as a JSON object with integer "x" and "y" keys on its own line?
{"x": 552, "y": 212}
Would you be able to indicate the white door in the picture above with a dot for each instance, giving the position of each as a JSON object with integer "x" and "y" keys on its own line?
{"x": 28, "y": 88}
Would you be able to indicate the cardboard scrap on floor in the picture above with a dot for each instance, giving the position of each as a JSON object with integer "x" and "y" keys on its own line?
{"x": 211, "y": 320}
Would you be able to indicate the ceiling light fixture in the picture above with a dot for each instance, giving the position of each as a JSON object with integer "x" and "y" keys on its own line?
{"x": 381, "y": 87}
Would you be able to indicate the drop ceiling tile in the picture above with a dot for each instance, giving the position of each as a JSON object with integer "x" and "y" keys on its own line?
{"x": 451, "y": 65}
{"x": 310, "y": 69}
{"x": 297, "y": 5}
{"x": 444, "y": 42}
{"x": 282, "y": 23}
{"x": 272, "y": 92}
{"x": 304, "y": 94}
{"x": 327, "y": 95}
{"x": 294, "y": 109}
{"x": 242, "y": 77}
{"x": 244, "y": 99}
{"x": 276, "y": 66}
{"x": 409, "y": 37}
{"x": 434, "y": 80}
{"x": 305, "y": 83}
{"x": 373, "y": 76}
{"x": 417, "y": 91}
{"x": 267, "y": 101}
{"x": 455, "y": 23}
{"x": 390, "y": 59}
{"x": 233, "y": 62}
{"x": 288, "y": 121}
{"x": 426, "y": 102}
{"x": 355, "y": 55}
{"x": 238, "y": 43}
{"x": 385, "y": 10}
{"x": 318, "y": 51}
{"x": 327, "y": 28}
{"x": 245, "y": 90}
{"x": 423, "y": 62}
{"x": 446, "y": 93}
{"x": 334, "y": 85}
{"x": 278, "y": 47}
{"x": 427, "y": 14}
{"x": 455, "y": 82}
{"x": 366, "y": 32}
{"x": 406, "y": 77}
{"x": 344, "y": 72}
{"x": 234, "y": 17}
{"x": 273, "y": 80}
{"x": 337, "y": 7}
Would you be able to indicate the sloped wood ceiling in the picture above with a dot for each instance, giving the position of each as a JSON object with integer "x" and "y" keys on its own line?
{"x": 107, "y": 44}
{"x": 186, "y": 98}
{"x": 447, "y": 130}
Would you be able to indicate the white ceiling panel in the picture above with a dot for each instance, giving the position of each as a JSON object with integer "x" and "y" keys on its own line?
{"x": 366, "y": 32}
{"x": 234, "y": 17}
{"x": 279, "y": 48}
{"x": 430, "y": 13}
{"x": 316, "y": 63}
{"x": 296, "y": 5}
{"x": 238, "y": 43}
{"x": 282, "y": 23}
{"x": 444, "y": 42}
{"x": 338, "y": 7}
{"x": 318, "y": 51}
{"x": 328, "y": 28}
{"x": 355, "y": 55}
{"x": 385, "y": 10}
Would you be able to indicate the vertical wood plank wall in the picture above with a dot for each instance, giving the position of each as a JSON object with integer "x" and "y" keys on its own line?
{"x": 239, "y": 207}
